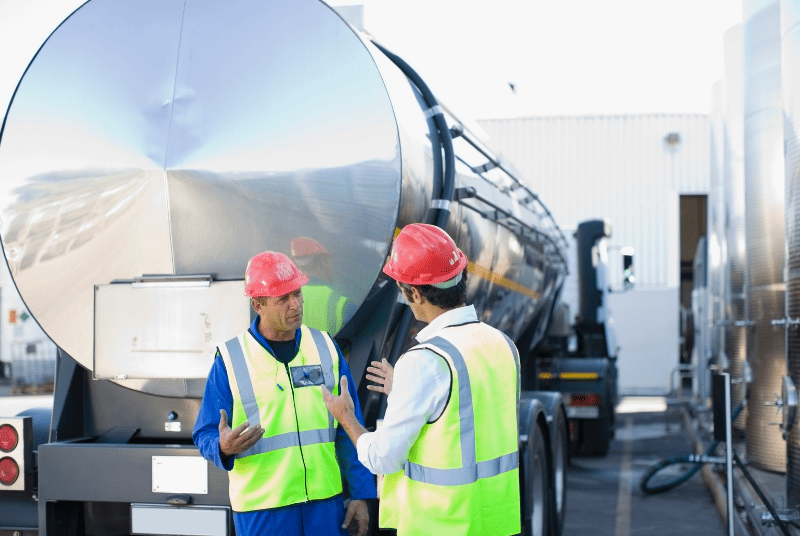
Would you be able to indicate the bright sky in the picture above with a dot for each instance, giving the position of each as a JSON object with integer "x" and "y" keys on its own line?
{"x": 573, "y": 57}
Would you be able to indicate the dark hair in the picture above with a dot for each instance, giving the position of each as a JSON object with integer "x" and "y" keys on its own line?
{"x": 444, "y": 298}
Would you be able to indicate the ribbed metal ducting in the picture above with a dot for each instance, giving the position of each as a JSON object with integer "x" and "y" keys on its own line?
{"x": 765, "y": 228}
{"x": 790, "y": 68}
{"x": 733, "y": 187}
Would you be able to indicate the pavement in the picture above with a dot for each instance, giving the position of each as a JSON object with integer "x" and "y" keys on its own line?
{"x": 603, "y": 495}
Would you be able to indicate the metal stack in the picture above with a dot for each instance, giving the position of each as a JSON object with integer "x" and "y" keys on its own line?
{"x": 790, "y": 64}
{"x": 765, "y": 228}
{"x": 733, "y": 187}
{"x": 716, "y": 234}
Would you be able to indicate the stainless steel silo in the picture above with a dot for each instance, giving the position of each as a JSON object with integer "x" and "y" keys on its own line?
{"x": 790, "y": 68}
{"x": 716, "y": 223}
{"x": 765, "y": 228}
{"x": 708, "y": 325}
{"x": 733, "y": 256}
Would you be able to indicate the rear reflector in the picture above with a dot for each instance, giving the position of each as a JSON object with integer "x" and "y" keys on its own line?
{"x": 8, "y": 438}
{"x": 9, "y": 471}
{"x": 579, "y": 376}
{"x": 585, "y": 400}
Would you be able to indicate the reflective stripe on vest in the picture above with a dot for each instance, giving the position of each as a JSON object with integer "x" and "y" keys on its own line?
{"x": 250, "y": 405}
{"x": 470, "y": 470}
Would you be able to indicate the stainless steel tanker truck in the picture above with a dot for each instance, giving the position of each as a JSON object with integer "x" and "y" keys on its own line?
{"x": 150, "y": 149}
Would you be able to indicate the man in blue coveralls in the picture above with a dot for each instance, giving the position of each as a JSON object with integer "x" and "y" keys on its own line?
{"x": 284, "y": 452}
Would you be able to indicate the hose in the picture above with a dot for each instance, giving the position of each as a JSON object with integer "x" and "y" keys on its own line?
{"x": 445, "y": 185}
{"x": 651, "y": 488}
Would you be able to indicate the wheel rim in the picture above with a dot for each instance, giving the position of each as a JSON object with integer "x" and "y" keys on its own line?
{"x": 559, "y": 470}
{"x": 537, "y": 497}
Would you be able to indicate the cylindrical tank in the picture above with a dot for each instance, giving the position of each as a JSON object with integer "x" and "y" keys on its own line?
{"x": 716, "y": 223}
{"x": 765, "y": 227}
{"x": 733, "y": 187}
{"x": 172, "y": 137}
{"x": 790, "y": 68}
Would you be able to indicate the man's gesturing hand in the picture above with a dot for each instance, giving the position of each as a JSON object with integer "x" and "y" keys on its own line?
{"x": 340, "y": 406}
{"x": 382, "y": 374}
{"x": 239, "y": 440}
{"x": 344, "y": 410}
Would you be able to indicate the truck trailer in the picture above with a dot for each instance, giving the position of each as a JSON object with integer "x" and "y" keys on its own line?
{"x": 578, "y": 358}
{"x": 150, "y": 149}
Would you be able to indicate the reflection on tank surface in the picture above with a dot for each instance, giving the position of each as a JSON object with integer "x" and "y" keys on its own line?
{"x": 164, "y": 168}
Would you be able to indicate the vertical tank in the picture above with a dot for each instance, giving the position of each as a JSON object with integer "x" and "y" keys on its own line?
{"x": 790, "y": 67}
{"x": 733, "y": 187}
{"x": 716, "y": 226}
{"x": 715, "y": 235}
{"x": 765, "y": 227}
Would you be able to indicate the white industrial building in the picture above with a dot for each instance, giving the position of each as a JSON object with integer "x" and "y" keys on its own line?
{"x": 646, "y": 175}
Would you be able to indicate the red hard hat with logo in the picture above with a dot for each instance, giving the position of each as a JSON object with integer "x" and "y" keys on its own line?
{"x": 272, "y": 274}
{"x": 424, "y": 254}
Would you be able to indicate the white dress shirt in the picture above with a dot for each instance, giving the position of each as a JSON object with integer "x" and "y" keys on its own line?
{"x": 420, "y": 390}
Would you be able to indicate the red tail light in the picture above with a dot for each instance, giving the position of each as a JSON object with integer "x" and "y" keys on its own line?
{"x": 8, "y": 438}
{"x": 9, "y": 471}
{"x": 585, "y": 400}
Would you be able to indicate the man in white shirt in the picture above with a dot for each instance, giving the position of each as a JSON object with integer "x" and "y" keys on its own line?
{"x": 451, "y": 463}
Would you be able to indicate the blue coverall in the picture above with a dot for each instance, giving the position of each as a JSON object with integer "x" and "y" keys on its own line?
{"x": 314, "y": 518}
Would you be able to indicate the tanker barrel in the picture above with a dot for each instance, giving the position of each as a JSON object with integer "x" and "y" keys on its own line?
{"x": 184, "y": 140}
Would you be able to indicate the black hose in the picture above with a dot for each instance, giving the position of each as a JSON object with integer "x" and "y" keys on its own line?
{"x": 444, "y": 186}
{"x": 651, "y": 489}
{"x": 761, "y": 495}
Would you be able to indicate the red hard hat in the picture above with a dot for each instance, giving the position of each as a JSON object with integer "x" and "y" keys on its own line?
{"x": 303, "y": 245}
{"x": 272, "y": 274}
{"x": 424, "y": 255}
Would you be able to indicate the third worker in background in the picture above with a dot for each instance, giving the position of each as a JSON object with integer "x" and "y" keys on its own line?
{"x": 325, "y": 307}
{"x": 448, "y": 444}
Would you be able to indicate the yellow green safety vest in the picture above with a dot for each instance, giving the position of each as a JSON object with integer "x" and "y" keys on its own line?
{"x": 323, "y": 309}
{"x": 462, "y": 474}
{"x": 295, "y": 461}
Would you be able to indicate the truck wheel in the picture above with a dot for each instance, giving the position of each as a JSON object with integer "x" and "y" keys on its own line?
{"x": 560, "y": 461}
{"x": 535, "y": 512}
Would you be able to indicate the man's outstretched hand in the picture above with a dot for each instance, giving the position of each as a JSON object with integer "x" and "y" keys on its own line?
{"x": 343, "y": 410}
{"x": 239, "y": 440}
{"x": 342, "y": 406}
{"x": 381, "y": 372}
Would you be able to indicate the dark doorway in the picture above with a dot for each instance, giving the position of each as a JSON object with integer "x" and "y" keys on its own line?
{"x": 693, "y": 227}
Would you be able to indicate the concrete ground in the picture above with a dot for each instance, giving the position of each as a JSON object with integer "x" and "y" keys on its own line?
{"x": 604, "y": 499}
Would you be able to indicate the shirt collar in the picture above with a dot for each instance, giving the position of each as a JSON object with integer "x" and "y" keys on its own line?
{"x": 263, "y": 342}
{"x": 453, "y": 317}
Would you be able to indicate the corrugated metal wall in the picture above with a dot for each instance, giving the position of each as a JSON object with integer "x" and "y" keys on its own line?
{"x": 620, "y": 168}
